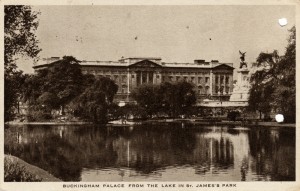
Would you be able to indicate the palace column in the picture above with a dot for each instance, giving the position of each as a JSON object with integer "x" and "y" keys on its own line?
{"x": 210, "y": 82}
{"x": 219, "y": 76}
{"x": 147, "y": 76}
{"x": 128, "y": 84}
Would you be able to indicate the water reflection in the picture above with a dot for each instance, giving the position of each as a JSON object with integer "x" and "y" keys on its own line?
{"x": 162, "y": 152}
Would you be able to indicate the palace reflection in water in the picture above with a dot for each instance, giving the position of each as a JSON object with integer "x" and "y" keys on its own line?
{"x": 164, "y": 152}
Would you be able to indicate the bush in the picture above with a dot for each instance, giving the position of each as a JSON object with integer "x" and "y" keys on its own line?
{"x": 14, "y": 172}
{"x": 38, "y": 113}
{"x": 233, "y": 115}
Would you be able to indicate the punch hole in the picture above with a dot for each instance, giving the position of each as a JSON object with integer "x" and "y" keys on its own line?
{"x": 282, "y": 22}
{"x": 279, "y": 118}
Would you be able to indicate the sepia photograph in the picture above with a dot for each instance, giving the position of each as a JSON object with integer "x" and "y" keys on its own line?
{"x": 98, "y": 95}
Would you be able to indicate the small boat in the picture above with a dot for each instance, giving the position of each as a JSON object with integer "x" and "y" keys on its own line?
{"x": 123, "y": 122}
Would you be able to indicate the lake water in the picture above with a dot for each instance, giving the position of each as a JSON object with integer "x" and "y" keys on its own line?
{"x": 156, "y": 152}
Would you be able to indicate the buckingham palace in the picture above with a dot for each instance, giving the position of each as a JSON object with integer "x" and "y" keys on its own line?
{"x": 212, "y": 80}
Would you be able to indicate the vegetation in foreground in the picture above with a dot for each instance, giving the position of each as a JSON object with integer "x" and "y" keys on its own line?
{"x": 14, "y": 172}
{"x": 63, "y": 89}
{"x": 20, "y": 24}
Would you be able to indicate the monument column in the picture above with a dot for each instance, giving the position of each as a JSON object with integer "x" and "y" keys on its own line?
{"x": 241, "y": 88}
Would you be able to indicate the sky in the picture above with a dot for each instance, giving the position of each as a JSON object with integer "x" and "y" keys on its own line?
{"x": 175, "y": 33}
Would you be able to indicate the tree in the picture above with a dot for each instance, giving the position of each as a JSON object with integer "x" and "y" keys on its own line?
{"x": 178, "y": 98}
{"x": 171, "y": 98}
{"x": 285, "y": 93}
{"x": 65, "y": 80}
{"x": 273, "y": 85}
{"x": 63, "y": 84}
{"x": 12, "y": 86}
{"x": 57, "y": 85}
{"x": 94, "y": 102}
{"x": 20, "y": 24}
{"x": 148, "y": 97}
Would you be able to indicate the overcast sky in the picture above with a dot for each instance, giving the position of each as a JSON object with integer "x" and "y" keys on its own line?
{"x": 174, "y": 33}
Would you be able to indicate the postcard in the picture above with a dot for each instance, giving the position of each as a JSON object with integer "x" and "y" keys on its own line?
{"x": 149, "y": 95}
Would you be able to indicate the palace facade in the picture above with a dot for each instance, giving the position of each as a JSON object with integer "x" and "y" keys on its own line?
{"x": 212, "y": 80}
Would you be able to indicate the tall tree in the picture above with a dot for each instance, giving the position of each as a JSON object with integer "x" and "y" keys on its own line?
{"x": 285, "y": 92}
{"x": 178, "y": 98}
{"x": 20, "y": 24}
{"x": 273, "y": 86}
{"x": 57, "y": 85}
{"x": 148, "y": 97}
{"x": 95, "y": 100}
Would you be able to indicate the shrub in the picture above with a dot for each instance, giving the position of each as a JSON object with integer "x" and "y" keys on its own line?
{"x": 233, "y": 115}
{"x": 14, "y": 172}
{"x": 38, "y": 113}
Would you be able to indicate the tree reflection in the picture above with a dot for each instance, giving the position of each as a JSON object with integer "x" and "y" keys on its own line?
{"x": 65, "y": 151}
{"x": 274, "y": 153}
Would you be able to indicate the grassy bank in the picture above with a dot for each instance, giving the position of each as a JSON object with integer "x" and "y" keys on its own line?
{"x": 17, "y": 170}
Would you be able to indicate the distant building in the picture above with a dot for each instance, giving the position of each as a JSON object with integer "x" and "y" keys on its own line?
{"x": 212, "y": 80}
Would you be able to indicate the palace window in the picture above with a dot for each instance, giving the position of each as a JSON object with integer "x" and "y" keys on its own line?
{"x": 222, "y": 79}
{"x": 200, "y": 90}
{"x": 124, "y": 78}
{"x": 116, "y": 78}
{"x": 199, "y": 80}
{"x": 217, "y": 79}
{"x": 124, "y": 89}
{"x": 207, "y": 90}
{"x": 206, "y": 79}
{"x": 227, "y": 89}
{"x": 193, "y": 79}
{"x": 217, "y": 89}
{"x": 227, "y": 79}
{"x": 177, "y": 78}
{"x": 222, "y": 89}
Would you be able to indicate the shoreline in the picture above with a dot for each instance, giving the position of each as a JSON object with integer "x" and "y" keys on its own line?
{"x": 191, "y": 121}
{"x": 44, "y": 175}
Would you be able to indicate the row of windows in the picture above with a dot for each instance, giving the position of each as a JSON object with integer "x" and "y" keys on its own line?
{"x": 116, "y": 78}
{"x": 186, "y": 73}
{"x": 222, "y": 89}
{"x": 202, "y": 90}
{"x": 122, "y": 89}
{"x": 221, "y": 79}
{"x": 103, "y": 72}
{"x": 200, "y": 80}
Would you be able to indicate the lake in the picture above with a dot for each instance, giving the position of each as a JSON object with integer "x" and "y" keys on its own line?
{"x": 156, "y": 152}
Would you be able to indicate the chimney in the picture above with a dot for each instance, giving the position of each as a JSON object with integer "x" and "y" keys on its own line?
{"x": 199, "y": 61}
